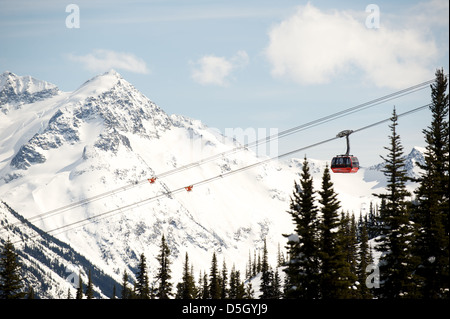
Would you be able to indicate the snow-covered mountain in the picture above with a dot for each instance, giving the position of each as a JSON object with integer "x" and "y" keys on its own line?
{"x": 18, "y": 90}
{"x": 106, "y": 137}
{"x": 51, "y": 267}
{"x": 415, "y": 157}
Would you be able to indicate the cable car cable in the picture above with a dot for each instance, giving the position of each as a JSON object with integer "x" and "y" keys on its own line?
{"x": 220, "y": 176}
{"x": 282, "y": 134}
{"x": 325, "y": 119}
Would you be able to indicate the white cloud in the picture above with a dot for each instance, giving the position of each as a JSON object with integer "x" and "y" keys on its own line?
{"x": 103, "y": 60}
{"x": 313, "y": 47}
{"x": 216, "y": 70}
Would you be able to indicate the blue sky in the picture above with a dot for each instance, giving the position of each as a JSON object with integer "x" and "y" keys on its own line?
{"x": 244, "y": 64}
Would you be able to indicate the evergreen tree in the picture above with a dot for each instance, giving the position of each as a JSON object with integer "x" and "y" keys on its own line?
{"x": 334, "y": 273}
{"x": 266, "y": 276}
{"x": 195, "y": 289}
{"x": 142, "y": 288}
{"x": 30, "y": 294}
{"x": 432, "y": 210}
{"x": 205, "y": 290}
{"x": 214, "y": 284}
{"x": 153, "y": 290}
{"x": 224, "y": 282}
{"x": 373, "y": 222}
{"x": 126, "y": 291}
{"x": 303, "y": 267}
{"x": 179, "y": 290}
{"x": 89, "y": 289}
{"x": 348, "y": 242}
{"x": 280, "y": 257}
{"x": 199, "y": 288}
{"x": 11, "y": 281}
{"x": 186, "y": 288}
{"x": 381, "y": 218}
{"x": 240, "y": 291}
{"x": 276, "y": 285}
{"x": 234, "y": 283}
{"x": 79, "y": 294}
{"x": 249, "y": 292}
{"x": 291, "y": 289}
{"x": 114, "y": 292}
{"x": 258, "y": 264}
{"x": 249, "y": 272}
{"x": 365, "y": 259}
{"x": 255, "y": 264}
{"x": 165, "y": 286}
{"x": 397, "y": 262}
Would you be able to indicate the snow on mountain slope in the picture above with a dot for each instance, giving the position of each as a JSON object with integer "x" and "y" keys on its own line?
{"x": 51, "y": 266}
{"x": 106, "y": 135}
{"x": 16, "y": 91}
{"x": 416, "y": 156}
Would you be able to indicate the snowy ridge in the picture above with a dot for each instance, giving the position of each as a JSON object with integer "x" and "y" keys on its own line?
{"x": 105, "y": 136}
{"x": 51, "y": 266}
{"x": 23, "y": 84}
{"x": 18, "y": 90}
{"x": 411, "y": 160}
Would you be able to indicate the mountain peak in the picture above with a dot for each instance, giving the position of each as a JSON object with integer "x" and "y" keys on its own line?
{"x": 17, "y": 90}
{"x": 108, "y": 76}
{"x": 112, "y": 72}
{"x": 411, "y": 161}
{"x": 21, "y": 84}
{"x": 417, "y": 151}
{"x": 116, "y": 107}
{"x": 6, "y": 77}
{"x": 415, "y": 157}
{"x": 99, "y": 83}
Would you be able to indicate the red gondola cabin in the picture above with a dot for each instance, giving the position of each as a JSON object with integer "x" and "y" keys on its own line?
{"x": 344, "y": 164}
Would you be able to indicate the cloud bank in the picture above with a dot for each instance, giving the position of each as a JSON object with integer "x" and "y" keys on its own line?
{"x": 101, "y": 60}
{"x": 316, "y": 47}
